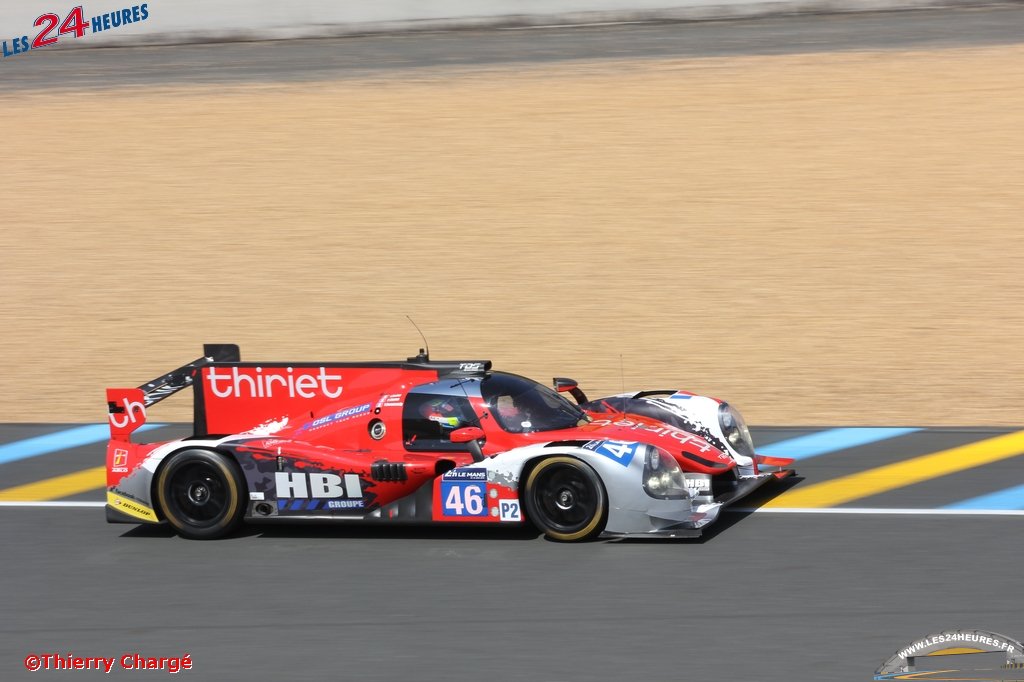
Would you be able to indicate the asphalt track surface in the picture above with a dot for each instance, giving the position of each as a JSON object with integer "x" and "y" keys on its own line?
{"x": 423, "y": 53}
{"x": 762, "y": 596}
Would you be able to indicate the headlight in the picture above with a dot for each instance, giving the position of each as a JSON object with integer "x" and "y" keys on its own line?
{"x": 735, "y": 430}
{"x": 662, "y": 476}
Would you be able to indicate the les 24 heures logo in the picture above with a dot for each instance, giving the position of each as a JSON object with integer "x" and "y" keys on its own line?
{"x": 976, "y": 655}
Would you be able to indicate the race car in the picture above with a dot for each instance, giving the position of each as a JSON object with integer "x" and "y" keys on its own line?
{"x": 424, "y": 441}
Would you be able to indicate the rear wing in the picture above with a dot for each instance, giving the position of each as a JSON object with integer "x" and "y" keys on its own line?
{"x": 126, "y": 407}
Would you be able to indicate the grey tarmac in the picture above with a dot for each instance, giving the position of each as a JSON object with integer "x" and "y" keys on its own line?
{"x": 426, "y": 54}
{"x": 771, "y": 597}
{"x": 763, "y": 597}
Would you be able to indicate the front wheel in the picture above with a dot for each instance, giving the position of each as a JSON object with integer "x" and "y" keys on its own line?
{"x": 200, "y": 493}
{"x": 566, "y": 500}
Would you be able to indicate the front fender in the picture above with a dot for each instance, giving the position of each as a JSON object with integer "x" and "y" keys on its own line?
{"x": 619, "y": 465}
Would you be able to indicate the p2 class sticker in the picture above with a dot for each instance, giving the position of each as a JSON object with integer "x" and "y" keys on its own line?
{"x": 509, "y": 510}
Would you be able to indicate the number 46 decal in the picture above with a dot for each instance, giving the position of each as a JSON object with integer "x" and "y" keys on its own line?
{"x": 463, "y": 498}
{"x": 73, "y": 23}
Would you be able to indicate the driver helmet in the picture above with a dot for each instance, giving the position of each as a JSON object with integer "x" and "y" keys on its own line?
{"x": 443, "y": 411}
{"x": 506, "y": 407}
{"x": 514, "y": 413}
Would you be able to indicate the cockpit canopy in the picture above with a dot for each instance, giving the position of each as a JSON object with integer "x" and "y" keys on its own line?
{"x": 432, "y": 412}
{"x": 520, "y": 405}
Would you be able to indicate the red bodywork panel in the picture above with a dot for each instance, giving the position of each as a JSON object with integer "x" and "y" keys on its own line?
{"x": 238, "y": 398}
{"x": 328, "y": 408}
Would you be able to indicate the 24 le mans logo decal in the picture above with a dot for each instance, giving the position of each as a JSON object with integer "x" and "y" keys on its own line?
{"x": 51, "y": 28}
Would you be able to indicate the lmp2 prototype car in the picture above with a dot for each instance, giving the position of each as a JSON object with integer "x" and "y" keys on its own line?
{"x": 422, "y": 441}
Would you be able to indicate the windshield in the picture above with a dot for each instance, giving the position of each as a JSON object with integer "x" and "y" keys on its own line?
{"x": 521, "y": 405}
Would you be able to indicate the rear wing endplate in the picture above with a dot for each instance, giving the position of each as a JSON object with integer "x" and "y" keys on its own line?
{"x": 126, "y": 407}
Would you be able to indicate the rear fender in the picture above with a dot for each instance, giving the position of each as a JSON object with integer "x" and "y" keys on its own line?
{"x": 132, "y": 473}
{"x": 129, "y": 483}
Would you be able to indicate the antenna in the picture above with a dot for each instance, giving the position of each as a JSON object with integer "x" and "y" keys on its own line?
{"x": 427, "y": 345}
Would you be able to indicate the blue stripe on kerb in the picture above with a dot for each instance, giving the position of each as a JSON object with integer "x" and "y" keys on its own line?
{"x": 1011, "y": 498}
{"x": 824, "y": 442}
{"x": 62, "y": 440}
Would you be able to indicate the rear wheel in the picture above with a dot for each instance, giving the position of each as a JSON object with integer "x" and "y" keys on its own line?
{"x": 200, "y": 493}
{"x": 566, "y": 500}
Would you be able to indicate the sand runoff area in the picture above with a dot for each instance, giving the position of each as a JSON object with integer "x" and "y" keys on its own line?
{"x": 821, "y": 239}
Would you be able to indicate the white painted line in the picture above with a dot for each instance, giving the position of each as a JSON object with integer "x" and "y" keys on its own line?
{"x": 51, "y": 504}
{"x": 877, "y": 511}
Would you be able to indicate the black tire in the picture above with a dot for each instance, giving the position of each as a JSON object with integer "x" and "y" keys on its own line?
{"x": 200, "y": 494}
{"x": 566, "y": 500}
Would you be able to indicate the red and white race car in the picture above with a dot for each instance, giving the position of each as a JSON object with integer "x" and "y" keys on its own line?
{"x": 423, "y": 441}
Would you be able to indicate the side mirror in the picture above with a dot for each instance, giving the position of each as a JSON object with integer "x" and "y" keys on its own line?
{"x": 471, "y": 435}
{"x": 467, "y": 434}
{"x": 564, "y": 385}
